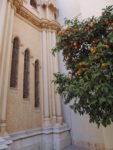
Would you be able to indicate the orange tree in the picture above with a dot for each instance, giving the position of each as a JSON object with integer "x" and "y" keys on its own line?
{"x": 87, "y": 49}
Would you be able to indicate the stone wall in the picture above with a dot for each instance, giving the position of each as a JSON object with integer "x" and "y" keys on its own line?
{"x": 21, "y": 112}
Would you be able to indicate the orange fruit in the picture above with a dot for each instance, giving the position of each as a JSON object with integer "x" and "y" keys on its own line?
{"x": 67, "y": 28}
{"x": 76, "y": 30}
{"x": 106, "y": 46}
{"x": 75, "y": 43}
{"x": 103, "y": 65}
{"x": 93, "y": 50}
{"x": 78, "y": 73}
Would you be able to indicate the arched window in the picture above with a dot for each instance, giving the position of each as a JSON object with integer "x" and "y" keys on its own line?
{"x": 26, "y": 74}
{"x": 33, "y": 3}
{"x": 36, "y": 73}
{"x": 14, "y": 63}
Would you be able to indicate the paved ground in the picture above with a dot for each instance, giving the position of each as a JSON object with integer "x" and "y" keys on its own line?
{"x": 74, "y": 148}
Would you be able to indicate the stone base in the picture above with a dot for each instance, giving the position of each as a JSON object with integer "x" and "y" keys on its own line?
{"x": 3, "y": 145}
{"x": 5, "y": 142}
{"x": 51, "y": 138}
{"x": 57, "y": 140}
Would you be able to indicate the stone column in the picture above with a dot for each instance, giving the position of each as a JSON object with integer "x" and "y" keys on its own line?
{"x": 3, "y": 54}
{"x": 3, "y": 44}
{"x": 49, "y": 71}
{"x": 45, "y": 80}
{"x": 5, "y": 65}
{"x": 53, "y": 103}
{"x": 3, "y": 9}
{"x": 57, "y": 96}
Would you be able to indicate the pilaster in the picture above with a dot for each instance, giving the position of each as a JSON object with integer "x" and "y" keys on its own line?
{"x": 52, "y": 84}
{"x": 45, "y": 80}
{"x": 51, "y": 77}
{"x": 57, "y": 96}
{"x": 3, "y": 64}
{"x": 5, "y": 67}
{"x": 3, "y": 9}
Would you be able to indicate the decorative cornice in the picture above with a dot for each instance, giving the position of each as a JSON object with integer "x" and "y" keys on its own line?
{"x": 40, "y": 23}
{"x": 32, "y": 18}
{"x": 16, "y": 3}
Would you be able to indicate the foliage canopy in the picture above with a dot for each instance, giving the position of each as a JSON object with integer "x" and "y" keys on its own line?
{"x": 87, "y": 49}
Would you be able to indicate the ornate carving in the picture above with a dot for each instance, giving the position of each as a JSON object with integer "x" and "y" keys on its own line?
{"x": 40, "y": 23}
{"x": 16, "y": 3}
{"x": 29, "y": 16}
{"x": 54, "y": 25}
{"x": 50, "y": 3}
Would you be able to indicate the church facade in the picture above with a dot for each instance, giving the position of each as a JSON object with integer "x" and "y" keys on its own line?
{"x": 30, "y": 109}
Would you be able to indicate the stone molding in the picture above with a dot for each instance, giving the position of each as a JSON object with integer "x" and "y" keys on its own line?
{"x": 39, "y": 131}
{"x": 16, "y": 3}
{"x": 54, "y": 137}
{"x": 32, "y": 18}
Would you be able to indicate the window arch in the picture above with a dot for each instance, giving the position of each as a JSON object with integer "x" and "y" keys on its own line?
{"x": 36, "y": 80}
{"x": 14, "y": 63}
{"x": 26, "y": 74}
{"x": 33, "y": 3}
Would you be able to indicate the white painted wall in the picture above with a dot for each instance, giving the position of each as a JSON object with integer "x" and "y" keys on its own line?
{"x": 108, "y": 136}
{"x": 68, "y": 9}
{"x": 81, "y": 129}
{"x": 93, "y": 7}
